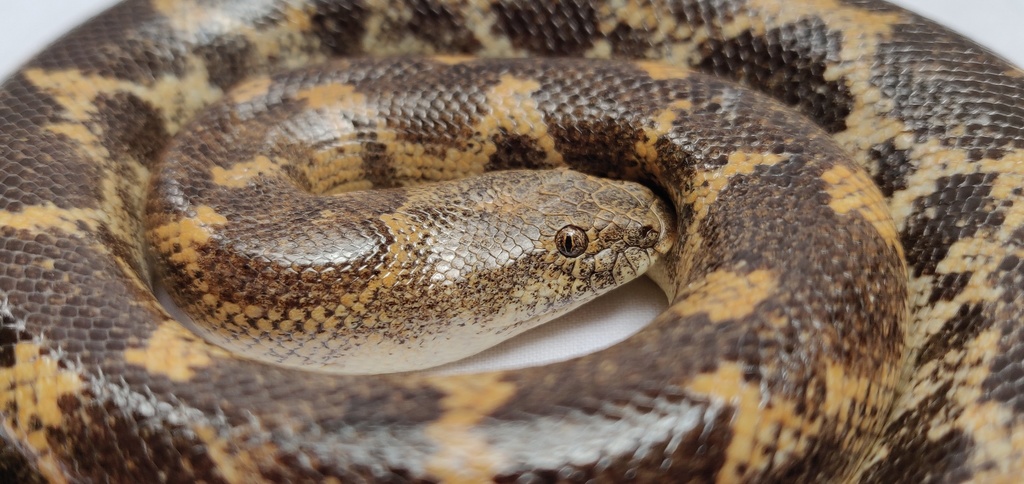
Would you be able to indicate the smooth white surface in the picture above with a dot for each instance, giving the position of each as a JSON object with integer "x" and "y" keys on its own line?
{"x": 26, "y": 26}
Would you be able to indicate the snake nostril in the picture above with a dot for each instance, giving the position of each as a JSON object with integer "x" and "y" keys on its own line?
{"x": 647, "y": 233}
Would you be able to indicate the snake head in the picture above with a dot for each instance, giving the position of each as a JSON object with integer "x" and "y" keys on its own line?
{"x": 606, "y": 232}
{"x": 586, "y": 236}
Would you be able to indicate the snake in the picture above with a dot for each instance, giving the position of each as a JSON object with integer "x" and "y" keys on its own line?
{"x": 844, "y": 279}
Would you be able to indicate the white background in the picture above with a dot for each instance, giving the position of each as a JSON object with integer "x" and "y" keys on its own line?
{"x": 26, "y": 26}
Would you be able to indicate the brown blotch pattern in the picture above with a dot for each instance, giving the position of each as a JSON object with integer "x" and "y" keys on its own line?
{"x": 795, "y": 383}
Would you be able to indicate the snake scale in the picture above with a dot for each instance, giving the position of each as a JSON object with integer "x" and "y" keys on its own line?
{"x": 781, "y": 357}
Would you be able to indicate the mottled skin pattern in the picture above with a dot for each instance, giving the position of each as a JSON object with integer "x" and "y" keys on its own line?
{"x": 781, "y": 358}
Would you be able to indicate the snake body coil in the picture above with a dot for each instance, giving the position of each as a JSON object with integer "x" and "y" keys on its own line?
{"x": 785, "y": 354}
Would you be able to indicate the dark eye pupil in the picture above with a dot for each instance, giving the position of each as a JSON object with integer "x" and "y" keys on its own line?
{"x": 571, "y": 241}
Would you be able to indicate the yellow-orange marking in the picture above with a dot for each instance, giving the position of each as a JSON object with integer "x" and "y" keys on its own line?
{"x": 36, "y": 384}
{"x": 173, "y": 351}
{"x": 463, "y": 456}
{"x": 240, "y": 174}
{"x": 182, "y": 237}
{"x": 852, "y": 190}
{"x": 725, "y": 295}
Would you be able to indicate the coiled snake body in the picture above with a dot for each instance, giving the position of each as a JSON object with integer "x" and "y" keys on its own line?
{"x": 785, "y": 353}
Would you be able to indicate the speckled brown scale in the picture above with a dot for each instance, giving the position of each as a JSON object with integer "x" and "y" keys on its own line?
{"x": 783, "y": 356}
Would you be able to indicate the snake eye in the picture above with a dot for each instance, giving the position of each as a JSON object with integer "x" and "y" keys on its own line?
{"x": 571, "y": 241}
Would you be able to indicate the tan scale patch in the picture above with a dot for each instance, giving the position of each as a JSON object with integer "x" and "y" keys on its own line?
{"x": 1001, "y": 458}
{"x": 333, "y": 95}
{"x": 862, "y": 29}
{"x": 287, "y": 40}
{"x": 857, "y": 20}
{"x": 242, "y": 173}
{"x": 339, "y": 168}
{"x": 724, "y": 295}
{"x": 707, "y": 185}
{"x": 852, "y": 190}
{"x": 661, "y": 125}
{"x": 479, "y": 18}
{"x": 641, "y": 16}
{"x": 44, "y": 218}
{"x": 181, "y": 238}
{"x": 661, "y": 71}
{"x": 177, "y": 97}
{"x": 462, "y": 456}
{"x": 36, "y": 383}
{"x": 757, "y": 428}
{"x": 41, "y": 217}
{"x": 405, "y": 234}
{"x": 188, "y": 15}
{"x": 395, "y": 43}
{"x": 234, "y": 464}
{"x": 515, "y": 110}
{"x": 251, "y": 89}
{"x": 173, "y": 351}
{"x": 452, "y": 60}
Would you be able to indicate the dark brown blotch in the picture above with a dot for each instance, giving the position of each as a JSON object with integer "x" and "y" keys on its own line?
{"x": 228, "y": 59}
{"x": 557, "y": 28}
{"x": 34, "y": 157}
{"x": 441, "y": 26}
{"x": 516, "y": 151}
{"x": 970, "y": 320}
{"x": 10, "y": 336}
{"x": 933, "y": 76}
{"x": 131, "y": 127}
{"x": 341, "y": 26}
{"x": 913, "y": 456}
{"x": 630, "y": 43}
{"x": 892, "y": 167}
{"x": 129, "y": 42}
{"x": 962, "y": 206}
{"x": 378, "y": 165}
{"x": 103, "y": 443}
{"x": 789, "y": 63}
{"x": 948, "y": 286}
